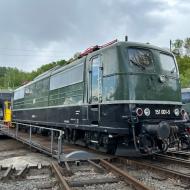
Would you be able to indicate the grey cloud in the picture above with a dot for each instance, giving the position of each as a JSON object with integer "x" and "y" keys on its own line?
{"x": 43, "y": 21}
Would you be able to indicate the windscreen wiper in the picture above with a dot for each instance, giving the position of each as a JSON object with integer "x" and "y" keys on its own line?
{"x": 137, "y": 64}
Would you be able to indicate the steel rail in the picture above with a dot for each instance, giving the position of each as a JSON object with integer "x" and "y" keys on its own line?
{"x": 96, "y": 166}
{"x": 128, "y": 178}
{"x": 62, "y": 180}
{"x": 173, "y": 159}
{"x": 183, "y": 154}
{"x": 178, "y": 151}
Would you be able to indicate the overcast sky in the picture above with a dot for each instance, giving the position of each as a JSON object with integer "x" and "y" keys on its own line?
{"x": 36, "y": 32}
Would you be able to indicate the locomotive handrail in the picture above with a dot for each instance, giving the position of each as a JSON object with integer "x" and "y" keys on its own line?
{"x": 50, "y": 151}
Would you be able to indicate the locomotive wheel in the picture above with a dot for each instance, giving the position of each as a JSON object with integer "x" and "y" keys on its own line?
{"x": 163, "y": 145}
{"x": 146, "y": 144}
{"x": 34, "y": 130}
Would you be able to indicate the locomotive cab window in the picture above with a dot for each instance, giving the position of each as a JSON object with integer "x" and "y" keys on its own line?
{"x": 66, "y": 86}
{"x": 19, "y": 94}
{"x": 168, "y": 64}
{"x": 95, "y": 80}
{"x": 185, "y": 97}
{"x": 67, "y": 77}
{"x": 140, "y": 59}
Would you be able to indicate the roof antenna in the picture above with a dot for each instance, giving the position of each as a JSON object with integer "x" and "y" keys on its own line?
{"x": 126, "y": 38}
{"x": 171, "y": 45}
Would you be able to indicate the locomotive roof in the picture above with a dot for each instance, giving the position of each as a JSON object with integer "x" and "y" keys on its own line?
{"x": 146, "y": 45}
{"x": 58, "y": 69}
{"x": 137, "y": 44}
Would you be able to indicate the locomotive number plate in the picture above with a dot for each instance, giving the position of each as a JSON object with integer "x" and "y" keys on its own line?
{"x": 162, "y": 112}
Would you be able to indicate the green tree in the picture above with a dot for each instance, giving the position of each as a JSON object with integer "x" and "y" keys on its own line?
{"x": 184, "y": 70}
{"x": 187, "y": 46}
{"x": 177, "y": 47}
{"x": 13, "y": 78}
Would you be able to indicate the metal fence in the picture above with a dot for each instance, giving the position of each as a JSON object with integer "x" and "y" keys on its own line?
{"x": 54, "y": 142}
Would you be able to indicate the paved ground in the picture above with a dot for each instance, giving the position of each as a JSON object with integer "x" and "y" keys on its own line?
{"x": 17, "y": 154}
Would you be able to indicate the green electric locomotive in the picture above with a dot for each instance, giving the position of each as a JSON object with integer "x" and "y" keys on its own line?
{"x": 122, "y": 94}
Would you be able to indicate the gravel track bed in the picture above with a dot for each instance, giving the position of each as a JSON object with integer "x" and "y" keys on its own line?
{"x": 36, "y": 184}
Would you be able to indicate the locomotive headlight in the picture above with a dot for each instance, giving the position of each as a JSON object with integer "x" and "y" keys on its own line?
{"x": 139, "y": 111}
{"x": 147, "y": 111}
{"x": 176, "y": 112}
{"x": 162, "y": 78}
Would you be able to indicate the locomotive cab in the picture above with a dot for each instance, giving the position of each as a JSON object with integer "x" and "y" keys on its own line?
{"x": 140, "y": 83}
{"x": 156, "y": 94}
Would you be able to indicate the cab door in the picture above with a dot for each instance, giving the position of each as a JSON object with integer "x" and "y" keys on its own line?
{"x": 95, "y": 89}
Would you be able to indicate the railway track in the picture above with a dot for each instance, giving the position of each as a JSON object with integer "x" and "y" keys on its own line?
{"x": 96, "y": 174}
{"x": 173, "y": 159}
{"x": 89, "y": 174}
{"x": 99, "y": 174}
{"x": 160, "y": 169}
{"x": 77, "y": 175}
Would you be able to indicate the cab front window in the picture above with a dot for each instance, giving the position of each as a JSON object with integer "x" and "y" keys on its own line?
{"x": 168, "y": 64}
{"x": 185, "y": 97}
{"x": 140, "y": 59}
